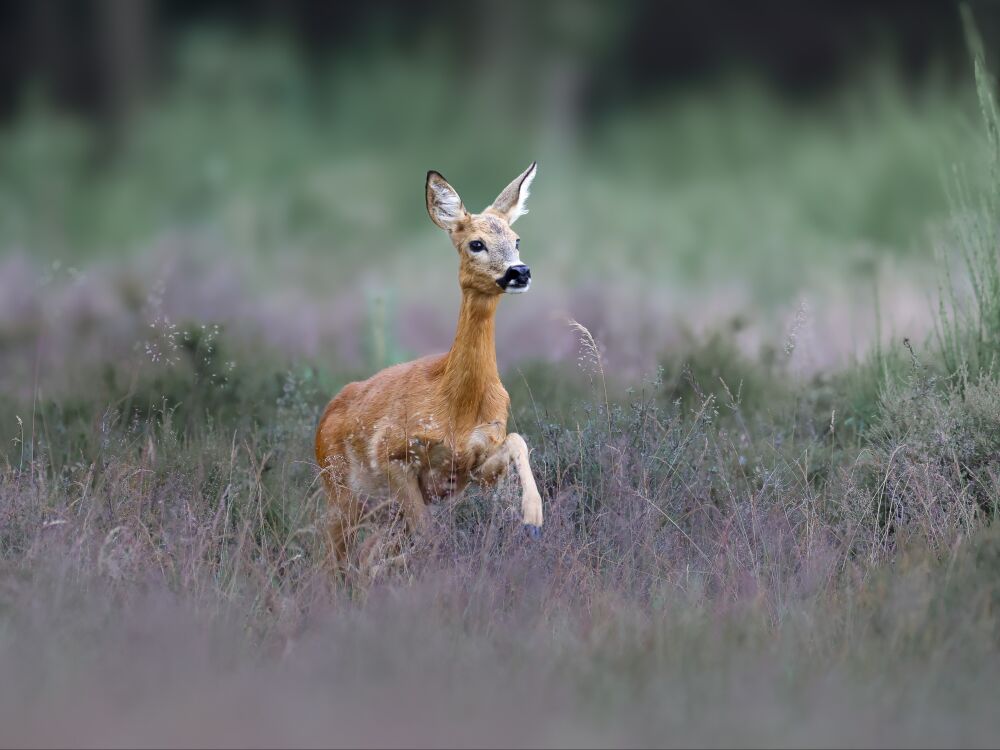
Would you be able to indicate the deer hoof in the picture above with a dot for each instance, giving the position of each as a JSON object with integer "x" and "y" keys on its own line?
{"x": 534, "y": 532}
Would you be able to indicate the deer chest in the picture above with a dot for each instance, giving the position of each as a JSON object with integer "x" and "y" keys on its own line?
{"x": 444, "y": 468}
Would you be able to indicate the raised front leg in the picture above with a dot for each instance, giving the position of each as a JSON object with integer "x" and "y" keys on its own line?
{"x": 514, "y": 450}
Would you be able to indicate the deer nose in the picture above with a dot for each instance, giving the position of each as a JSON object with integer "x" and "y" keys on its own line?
{"x": 516, "y": 277}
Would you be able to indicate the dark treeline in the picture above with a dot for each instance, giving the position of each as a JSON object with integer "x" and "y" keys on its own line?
{"x": 100, "y": 56}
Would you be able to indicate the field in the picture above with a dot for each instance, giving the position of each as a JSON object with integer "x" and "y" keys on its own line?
{"x": 769, "y": 449}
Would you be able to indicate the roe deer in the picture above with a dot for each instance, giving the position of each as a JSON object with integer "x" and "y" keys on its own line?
{"x": 421, "y": 431}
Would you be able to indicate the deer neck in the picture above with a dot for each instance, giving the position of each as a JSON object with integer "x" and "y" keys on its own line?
{"x": 471, "y": 365}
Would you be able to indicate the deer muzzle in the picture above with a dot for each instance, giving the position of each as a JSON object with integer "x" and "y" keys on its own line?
{"x": 515, "y": 280}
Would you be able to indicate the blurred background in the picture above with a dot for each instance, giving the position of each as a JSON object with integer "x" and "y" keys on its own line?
{"x": 777, "y": 171}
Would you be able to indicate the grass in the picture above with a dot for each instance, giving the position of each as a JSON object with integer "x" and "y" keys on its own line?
{"x": 706, "y": 575}
{"x": 736, "y": 551}
{"x": 967, "y": 330}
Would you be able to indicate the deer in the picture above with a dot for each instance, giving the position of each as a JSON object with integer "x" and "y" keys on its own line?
{"x": 420, "y": 432}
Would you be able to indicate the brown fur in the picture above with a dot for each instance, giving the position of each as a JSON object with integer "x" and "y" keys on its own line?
{"x": 421, "y": 431}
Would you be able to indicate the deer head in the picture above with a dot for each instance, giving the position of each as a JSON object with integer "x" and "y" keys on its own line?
{"x": 488, "y": 249}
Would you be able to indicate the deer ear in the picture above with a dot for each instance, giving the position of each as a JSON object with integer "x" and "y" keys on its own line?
{"x": 443, "y": 204}
{"x": 511, "y": 202}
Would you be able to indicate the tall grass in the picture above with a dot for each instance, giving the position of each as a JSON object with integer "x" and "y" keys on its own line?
{"x": 699, "y": 559}
{"x": 969, "y": 329}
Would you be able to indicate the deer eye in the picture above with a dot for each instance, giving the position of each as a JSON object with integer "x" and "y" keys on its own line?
{"x": 517, "y": 244}
{"x": 477, "y": 246}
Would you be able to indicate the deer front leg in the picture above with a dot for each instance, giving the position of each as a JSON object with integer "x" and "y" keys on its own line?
{"x": 405, "y": 487}
{"x": 514, "y": 450}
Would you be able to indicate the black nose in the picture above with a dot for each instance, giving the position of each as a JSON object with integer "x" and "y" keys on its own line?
{"x": 516, "y": 276}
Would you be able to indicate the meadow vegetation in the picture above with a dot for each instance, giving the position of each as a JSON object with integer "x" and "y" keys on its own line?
{"x": 736, "y": 550}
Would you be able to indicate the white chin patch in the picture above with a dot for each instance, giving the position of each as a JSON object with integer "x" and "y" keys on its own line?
{"x": 518, "y": 289}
